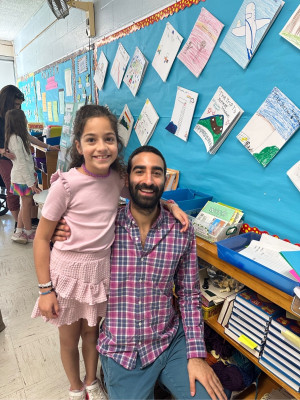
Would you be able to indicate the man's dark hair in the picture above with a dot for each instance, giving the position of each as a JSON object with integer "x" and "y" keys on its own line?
{"x": 145, "y": 149}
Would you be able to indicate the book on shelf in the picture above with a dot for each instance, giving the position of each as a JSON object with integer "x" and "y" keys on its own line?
{"x": 218, "y": 119}
{"x": 135, "y": 72}
{"x": 237, "y": 338}
{"x": 249, "y": 323}
{"x": 246, "y": 311}
{"x": 182, "y": 115}
{"x": 273, "y": 124}
{"x": 172, "y": 178}
{"x": 201, "y": 42}
{"x": 226, "y": 309}
{"x": 146, "y": 123}
{"x": 280, "y": 341}
{"x": 280, "y": 373}
{"x": 166, "y": 51}
{"x": 248, "y": 29}
{"x": 291, "y": 373}
{"x": 125, "y": 124}
{"x": 291, "y": 30}
{"x": 291, "y": 362}
{"x": 289, "y": 329}
{"x": 242, "y": 330}
{"x": 258, "y": 304}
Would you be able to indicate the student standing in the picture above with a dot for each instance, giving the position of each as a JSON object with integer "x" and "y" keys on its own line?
{"x": 74, "y": 289}
{"x": 12, "y": 98}
{"x": 23, "y": 176}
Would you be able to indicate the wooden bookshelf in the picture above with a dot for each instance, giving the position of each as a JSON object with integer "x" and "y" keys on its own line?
{"x": 51, "y": 162}
{"x": 208, "y": 252}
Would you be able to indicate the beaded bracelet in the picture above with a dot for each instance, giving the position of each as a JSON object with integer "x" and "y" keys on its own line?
{"x": 48, "y": 291}
{"x": 171, "y": 203}
{"x": 45, "y": 285}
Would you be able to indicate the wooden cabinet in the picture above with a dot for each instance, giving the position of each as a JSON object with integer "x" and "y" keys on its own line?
{"x": 51, "y": 161}
{"x": 209, "y": 253}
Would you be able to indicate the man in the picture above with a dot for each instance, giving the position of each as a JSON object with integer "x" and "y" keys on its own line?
{"x": 142, "y": 339}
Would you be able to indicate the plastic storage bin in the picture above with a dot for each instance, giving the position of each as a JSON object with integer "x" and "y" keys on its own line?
{"x": 226, "y": 232}
{"x": 228, "y": 251}
{"x": 210, "y": 311}
{"x": 189, "y": 200}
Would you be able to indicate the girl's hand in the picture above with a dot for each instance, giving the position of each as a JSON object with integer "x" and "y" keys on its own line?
{"x": 48, "y": 305}
{"x": 53, "y": 148}
{"x": 35, "y": 188}
{"x": 181, "y": 216}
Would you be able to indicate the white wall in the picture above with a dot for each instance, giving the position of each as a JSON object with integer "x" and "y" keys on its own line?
{"x": 45, "y": 39}
{"x": 7, "y": 75}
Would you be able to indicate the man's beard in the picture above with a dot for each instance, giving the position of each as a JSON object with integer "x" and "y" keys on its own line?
{"x": 144, "y": 202}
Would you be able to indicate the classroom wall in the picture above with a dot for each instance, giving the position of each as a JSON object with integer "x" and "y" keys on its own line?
{"x": 44, "y": 39}
{"x": 268, "y": 198}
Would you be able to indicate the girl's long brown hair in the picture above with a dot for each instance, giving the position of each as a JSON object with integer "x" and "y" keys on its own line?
{"x": 95, "y": 111}
{"x": 16, "y": 124}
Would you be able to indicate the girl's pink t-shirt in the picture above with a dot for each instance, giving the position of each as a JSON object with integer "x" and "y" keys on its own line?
{"x": 89, "y": 206}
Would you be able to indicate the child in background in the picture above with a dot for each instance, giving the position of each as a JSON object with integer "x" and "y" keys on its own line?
{"x": 74, "y": 288}
{"x": 23, "y": 176}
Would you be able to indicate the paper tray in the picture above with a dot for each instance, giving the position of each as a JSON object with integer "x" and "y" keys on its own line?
{"x": 228, "y": 251}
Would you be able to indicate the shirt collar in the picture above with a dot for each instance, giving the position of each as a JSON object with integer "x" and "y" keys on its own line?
{"x": 129, "y": 221}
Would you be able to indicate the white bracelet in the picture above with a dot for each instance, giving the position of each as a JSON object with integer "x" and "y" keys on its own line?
{"x": 45, "y": 285}
{"x": 48, "y": 146}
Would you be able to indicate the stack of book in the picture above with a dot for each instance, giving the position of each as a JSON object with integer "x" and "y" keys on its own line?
{"x": 217, "y": 221}
{"x": 281, "y": 353}
{"x": 249, "y": 320}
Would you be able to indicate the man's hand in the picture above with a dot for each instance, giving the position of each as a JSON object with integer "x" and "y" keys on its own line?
{"x": 199, "y": 370}
{"x": 9, "y": 155}
{"x": 62, "y": 231}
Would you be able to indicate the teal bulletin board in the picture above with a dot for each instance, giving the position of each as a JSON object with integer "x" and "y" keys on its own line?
{"x": 27, "y": 87}
{"x": 84, "y": 77}
{"x": 268, "y": 198}
{"x": 54, "y": 87}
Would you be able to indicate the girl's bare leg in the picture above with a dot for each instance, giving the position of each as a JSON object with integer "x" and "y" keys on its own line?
{"x": 69, "y": 338}
{"x": 26, "y": 211}
{"x": 89, "y": 335}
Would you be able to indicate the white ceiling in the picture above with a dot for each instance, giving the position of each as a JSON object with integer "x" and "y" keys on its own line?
{"x": 14, "y": 14}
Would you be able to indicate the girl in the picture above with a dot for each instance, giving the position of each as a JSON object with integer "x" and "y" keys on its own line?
{"x": 12, "y": 98}
{"x": 23, "y": 177}
{"x": 87, "y": 197}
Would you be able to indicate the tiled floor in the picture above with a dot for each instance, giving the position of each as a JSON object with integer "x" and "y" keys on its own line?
{"x": 30, "y": 365}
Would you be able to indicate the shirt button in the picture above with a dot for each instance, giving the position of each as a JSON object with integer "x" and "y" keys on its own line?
{"x": 140, "y": 343}
{"x": 141, "y": 280}
{"x": 140, "y": 323}
{"x": 136, "y": 239}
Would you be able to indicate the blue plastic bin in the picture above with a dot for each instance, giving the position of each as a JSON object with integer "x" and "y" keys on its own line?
{"x": 228, "y": 251}
{"x": 189, "y": 200}
{"x": 53, "y": 141}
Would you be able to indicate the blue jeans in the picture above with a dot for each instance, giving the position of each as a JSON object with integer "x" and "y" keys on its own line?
{"x": 170, "y": 369}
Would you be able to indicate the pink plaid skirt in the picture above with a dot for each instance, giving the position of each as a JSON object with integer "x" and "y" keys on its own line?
{"x": 81, "y": 282}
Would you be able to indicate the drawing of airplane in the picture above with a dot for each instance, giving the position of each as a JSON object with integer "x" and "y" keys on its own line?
{"x": 249, "y": 29}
